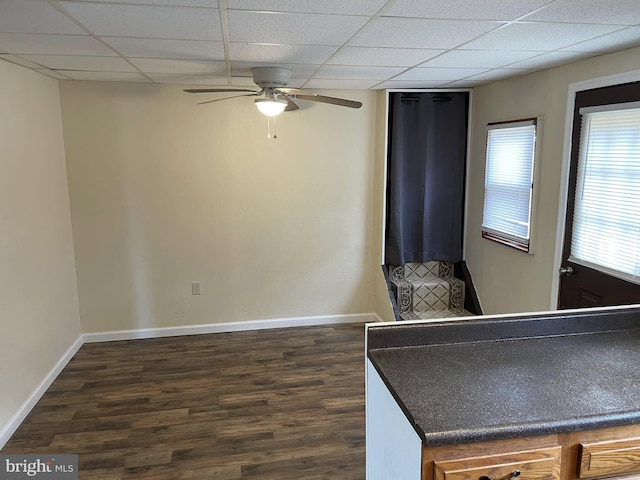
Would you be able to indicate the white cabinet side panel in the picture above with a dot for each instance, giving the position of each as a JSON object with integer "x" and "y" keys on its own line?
{"x": 393, "y": 448}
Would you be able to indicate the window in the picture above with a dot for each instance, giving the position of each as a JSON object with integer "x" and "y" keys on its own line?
{"x": 606, "y": 218}
{"x": 508, "y": 183}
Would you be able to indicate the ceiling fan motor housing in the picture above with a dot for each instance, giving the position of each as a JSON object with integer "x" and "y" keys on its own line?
{"x": 273, "y": 77}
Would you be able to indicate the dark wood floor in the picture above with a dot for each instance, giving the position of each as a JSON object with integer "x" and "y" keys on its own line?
{"x": 268, "y": 404}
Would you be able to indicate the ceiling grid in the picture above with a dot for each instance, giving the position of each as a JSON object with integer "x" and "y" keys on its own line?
{"x": 333, "y": 44}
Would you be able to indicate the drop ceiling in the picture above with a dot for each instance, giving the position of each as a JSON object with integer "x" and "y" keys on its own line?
{"x": 341, "y": 44}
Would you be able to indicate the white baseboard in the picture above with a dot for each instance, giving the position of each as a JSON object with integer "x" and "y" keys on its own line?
{"x": 7, "y": 430}
{"x": 228, "y": 327}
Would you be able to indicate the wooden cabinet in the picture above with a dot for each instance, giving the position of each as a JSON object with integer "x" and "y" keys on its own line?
{"x": 605, "y": 458}
{"x": 527, "y": 465}
{"x": 593, "y": 454}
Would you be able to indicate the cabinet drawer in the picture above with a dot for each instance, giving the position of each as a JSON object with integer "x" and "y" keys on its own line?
{"x": 532, "y": 464}
{"x": 614, "y": 457}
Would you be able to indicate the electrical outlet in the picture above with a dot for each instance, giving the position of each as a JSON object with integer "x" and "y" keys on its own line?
{"x": 195, "y": 288}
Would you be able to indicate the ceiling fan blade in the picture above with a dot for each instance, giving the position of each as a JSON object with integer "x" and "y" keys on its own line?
{"x": 332, "y": 100}
{"x": 293, "y": 91}
{"x": 227, "y": 98}
{"x": 219, "y": 90}
{"x": 306, "y": 95}
{"x": 291, "y": 105}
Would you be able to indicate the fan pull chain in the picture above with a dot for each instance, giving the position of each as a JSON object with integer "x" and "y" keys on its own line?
{"x": 275, "y": 134}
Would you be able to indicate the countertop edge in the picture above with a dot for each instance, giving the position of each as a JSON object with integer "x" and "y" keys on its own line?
{"x": 459, "y": 437}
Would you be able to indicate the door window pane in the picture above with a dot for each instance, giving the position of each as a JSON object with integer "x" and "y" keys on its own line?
{"x": 606, "y": 219}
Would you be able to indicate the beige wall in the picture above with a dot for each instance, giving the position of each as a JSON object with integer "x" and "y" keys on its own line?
{"x": 508, "y": 280}
{"x": 38, "y": 297}
{"x": 165, "y": 192}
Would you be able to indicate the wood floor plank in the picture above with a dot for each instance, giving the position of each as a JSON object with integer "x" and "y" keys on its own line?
{"x": 268, "y": 404}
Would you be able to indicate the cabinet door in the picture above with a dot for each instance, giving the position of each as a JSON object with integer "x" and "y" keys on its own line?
{"x": 393, "y": 446}
{"x": 602, "y": 459}
{"x": 531, "y": 465}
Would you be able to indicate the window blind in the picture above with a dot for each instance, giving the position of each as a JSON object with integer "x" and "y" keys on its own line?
{"x": 606, "y": 218}
{"x": 510, "y": 156}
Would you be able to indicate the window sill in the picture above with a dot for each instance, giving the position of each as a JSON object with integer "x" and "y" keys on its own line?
{"x": 523, "y": 247}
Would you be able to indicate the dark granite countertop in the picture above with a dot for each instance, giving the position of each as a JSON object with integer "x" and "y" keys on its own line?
{"x": 473, "y": 381}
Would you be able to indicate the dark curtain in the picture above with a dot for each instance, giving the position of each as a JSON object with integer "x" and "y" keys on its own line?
{"x": 426, "y": 172}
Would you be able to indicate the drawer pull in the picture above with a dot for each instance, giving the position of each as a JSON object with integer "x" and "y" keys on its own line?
{"x": 511, "y": 476}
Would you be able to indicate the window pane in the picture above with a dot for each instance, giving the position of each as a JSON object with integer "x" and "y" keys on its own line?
{"x": 508, "y": 181}
{"x": 606, "y": 220}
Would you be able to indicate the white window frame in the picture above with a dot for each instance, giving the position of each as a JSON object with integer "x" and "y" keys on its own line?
{"x": 491, "y": 231}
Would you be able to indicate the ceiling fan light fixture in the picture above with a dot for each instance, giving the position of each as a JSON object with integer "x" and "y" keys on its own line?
{"x": 271, "y": 106}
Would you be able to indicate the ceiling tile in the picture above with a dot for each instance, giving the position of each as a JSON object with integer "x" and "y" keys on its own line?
{"x": 244, "y": 81}
{"x": 19, "y": 61}
{"x": 177, "y": 3}
{"x": 51, "y": 73}
{"x": 341, "y": 84}
{"x": 551, "y": 59}
{"x": 378, "y": 56}
{"x": 71, "y": 62}
{"x": 619, "y": 12}
{"x": 460, "y": 84}
{"x": 180, "y": 79}
{"x": 357, "y": 72}
{"x": 278, "y": 53}
{"x": 439, "y": 73}
{"x": 419, "y": 33}
{"x": 497, "y": 74}
{"x": 464, "y": 9}
{"x": 297, "y": 29}
{"x": 162, "y": 65}
{"x": 34, "y": 16}
{"x": 161, "y": 48}
{"x": 24, "y": 43}
{"x": 105, "y": 76}
{"x": 117, "y": 20}
{"x": 478, "y": 58}
{"x": 334, "y": 7}
{"x": 411, "y": 84}
{"x": 537, "y": 36}
{"x": 350, "y": 44}
{"x": 625, "y": 38}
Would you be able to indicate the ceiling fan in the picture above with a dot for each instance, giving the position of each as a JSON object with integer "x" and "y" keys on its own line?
{"x": 275, "y": 96}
